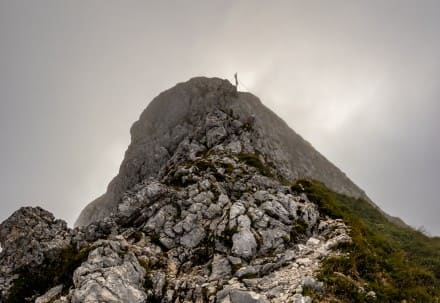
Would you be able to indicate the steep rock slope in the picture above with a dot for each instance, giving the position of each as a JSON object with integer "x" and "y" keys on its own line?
{"x": 172, "y": 118}
{"x": 214, "y": 225}
{"x": 206, "y": 212}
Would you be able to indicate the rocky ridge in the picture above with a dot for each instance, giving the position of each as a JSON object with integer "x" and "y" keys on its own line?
{"x": 218, "y": 222}
{"x": 173, "y": 117}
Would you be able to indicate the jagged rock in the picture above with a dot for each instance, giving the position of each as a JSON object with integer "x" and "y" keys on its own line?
{"x": 193, "y": 237}
{"x": 313, "y": 284}
{"x": 199, "y": 212}
{"x": 313, "y": 242}
{"x": 298, "y": 298}
{"x": 248, "y": 271}
{"x": 30, "y": 237}
{"x": 212, "y": 107}
{"x": 244, "y": 243}
{"x": 110, "y": 274}
{"x": 50, "y": 295}
{"x": 220, "y": 268}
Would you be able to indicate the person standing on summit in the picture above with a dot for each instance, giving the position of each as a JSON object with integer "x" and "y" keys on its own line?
{"x": 236, "y": 81}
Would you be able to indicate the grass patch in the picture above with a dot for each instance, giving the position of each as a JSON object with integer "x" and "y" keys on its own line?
{"x": 298, "y": 232}
{"x": 397, "y": 263}
{"x": 254, "y": 160}
{"x": 145, "y": 264}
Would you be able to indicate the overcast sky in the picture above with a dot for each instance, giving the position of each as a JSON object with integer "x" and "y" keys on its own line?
{"x": 359, "y": 80}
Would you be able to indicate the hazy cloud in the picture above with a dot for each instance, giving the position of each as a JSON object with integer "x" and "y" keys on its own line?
{"x": 359, "y": 80}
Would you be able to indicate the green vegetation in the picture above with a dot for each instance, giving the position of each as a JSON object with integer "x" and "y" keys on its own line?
{"x": 206, "y": 165}
{"x": 298, "y": 231}
{"x": 254, "y": 160}
{"x": 179, "y": 181}
{"x": 34, "y": 281}
{"x": 145, "y": 264}
{"x": 202, "y": 166}
{"x": 397, "y": 263}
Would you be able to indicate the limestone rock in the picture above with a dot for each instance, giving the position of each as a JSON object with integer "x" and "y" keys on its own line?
{"x": 199, "y": 212}
{"x": 244, "y": 244}
{"x": 30, "y": 237}
{"x": 202, "y": 104}
{"x": 50, "y": 295}
{"x": 109, "y": 275}
{"x": 240, "y": 296}
{"x": 220, "y": 268}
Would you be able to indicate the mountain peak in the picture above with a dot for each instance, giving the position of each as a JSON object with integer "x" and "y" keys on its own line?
{"x": 175, "y": 115}
{"x": 207, "y": 207}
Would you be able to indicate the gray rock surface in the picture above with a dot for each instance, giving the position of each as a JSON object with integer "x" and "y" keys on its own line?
{"x": 240, "y": 296}
{"x": 29, "y": 238}
{"x": 110, "y": 274}
{"x": 50, "y": 295}
{"x": 244, "y": 244}
{"x": 200, "y": 213}
{"x": 174, "y": 115}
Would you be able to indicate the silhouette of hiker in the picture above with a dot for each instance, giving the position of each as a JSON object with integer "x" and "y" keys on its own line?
{"x": 236, "y": 80}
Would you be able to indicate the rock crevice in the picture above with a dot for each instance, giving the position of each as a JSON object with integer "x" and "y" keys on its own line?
{"x": 201, "y": 211}
{"x": 176, "y": 114}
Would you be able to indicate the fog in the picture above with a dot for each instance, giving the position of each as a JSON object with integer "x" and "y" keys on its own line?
{"x": 359, "y": 80}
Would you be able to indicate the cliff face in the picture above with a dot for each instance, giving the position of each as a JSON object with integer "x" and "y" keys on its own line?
{"x": 204, "y": 210}
{"x": 173, "y": 117}
{"x": 200, "y": 212}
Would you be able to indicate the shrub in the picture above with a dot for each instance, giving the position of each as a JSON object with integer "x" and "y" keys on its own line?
{"x": 254, "y": 160}
{"x": 397, "y": 263}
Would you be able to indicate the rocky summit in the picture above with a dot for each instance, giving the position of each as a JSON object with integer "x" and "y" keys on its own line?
{"x": 205, "y": 113}
{"x": 202, "y": 210}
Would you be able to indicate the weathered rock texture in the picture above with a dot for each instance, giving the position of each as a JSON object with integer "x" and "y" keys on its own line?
{"x": 174, "y": 115}
{"x": 211, "y": 229}
{"x": 30, "y": 239}
{"x": 200, "y": 212}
